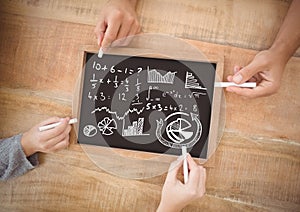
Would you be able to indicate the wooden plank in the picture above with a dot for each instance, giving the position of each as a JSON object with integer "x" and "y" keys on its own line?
{"x": 22, "y": 109}
{"x": 42, "y": 51}
{"x": 244, "y": 177}
{"x": 236, "y": 23}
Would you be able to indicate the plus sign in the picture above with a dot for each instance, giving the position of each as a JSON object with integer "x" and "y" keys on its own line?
{"x": 104, "y": 68}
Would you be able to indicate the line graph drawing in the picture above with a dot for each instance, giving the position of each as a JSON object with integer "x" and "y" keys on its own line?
{"x": 106, "y": 109}
{"x": 192, "y": 82}
{"x": 155, "y": 77}
{"x": 136, "y": 129}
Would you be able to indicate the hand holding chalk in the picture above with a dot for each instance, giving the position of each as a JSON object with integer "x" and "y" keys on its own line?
{"x": 175, "y": 194}
{"x": 49, "y": 140}
{"x": 118, "y": 19}
{"x": 50, "y": 126}
{"x": 266, "y": 70}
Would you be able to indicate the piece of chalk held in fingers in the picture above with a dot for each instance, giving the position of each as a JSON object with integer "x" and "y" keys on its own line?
{"x": 185, "y": 164}
{"x": 100, "y": 53}
{"x": 227, "y": 84}
{"x": 50, "y": 126}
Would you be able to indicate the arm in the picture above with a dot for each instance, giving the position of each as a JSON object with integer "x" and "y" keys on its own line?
{"x": 267, "y": 66}
{"x": 176, "y": 195}
{"x": 118, "y": 19}
{"x": 18, "y": 153}
{"x": 13, "y": 161}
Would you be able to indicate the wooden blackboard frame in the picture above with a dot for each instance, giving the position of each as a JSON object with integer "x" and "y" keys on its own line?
{"x": 213, "y": 138}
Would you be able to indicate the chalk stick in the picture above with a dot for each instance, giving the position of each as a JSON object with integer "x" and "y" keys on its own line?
{"x": 227, "y": 84}
{"x": 100, "y": 53}
{"x": 50, "y": 126}
{"x": 185, "y": 165}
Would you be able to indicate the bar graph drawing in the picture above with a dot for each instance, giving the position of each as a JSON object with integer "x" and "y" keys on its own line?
{"x": 136, "y": 129}
{"x": 191, "y": 82}
{"x": 155, "y": 77}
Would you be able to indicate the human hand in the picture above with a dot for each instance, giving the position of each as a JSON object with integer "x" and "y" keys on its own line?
{"x": 266, "y": 70}
{"x": 118, "y": 19}
{"x": 47, "y": 141}
{"x": 175, "y": 194}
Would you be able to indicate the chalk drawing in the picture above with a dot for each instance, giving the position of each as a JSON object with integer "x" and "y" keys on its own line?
{"x": 106, "y": 109}
{"x": 191, "y": 82}
{"x": 155, "y": 77}
{"x": 136, "y": 129}
{"x": 177, "y": 130}
{"x": 89, "y": 130}
{"x": 107, "y": 125}
{"x": 180, "y": 133}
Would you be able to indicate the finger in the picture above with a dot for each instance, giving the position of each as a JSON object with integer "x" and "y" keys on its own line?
{"x": 194, "y": 174}
{"x": 236, "y": 69}
{"x": 51, "y": 143}
{"x": 111, "y": 33}
{"x": 48, "y": 134}
{"x": 128, "y": 28}
{"x": 174, "y": 169}
{"x": 49, "y": 121}
{"x": 263, "y": 89}
{"x": 245, "y": 73}
{"x": 62, "y": 144}
{"x": 134, "y": 30}
{"x": 125, "y": 28}
{"x": 191, "y": 163}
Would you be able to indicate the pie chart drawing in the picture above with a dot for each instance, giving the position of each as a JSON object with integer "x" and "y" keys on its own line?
{"x": 177, "y": 130}
{"x": 89, "y": 130}
{"x": 107, "y": 125}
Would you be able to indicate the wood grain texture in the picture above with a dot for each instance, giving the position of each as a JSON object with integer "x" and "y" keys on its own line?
{"x": 257, "y": 165}
{"x": 244, "y": 177}
{"x": 246, "y": 24}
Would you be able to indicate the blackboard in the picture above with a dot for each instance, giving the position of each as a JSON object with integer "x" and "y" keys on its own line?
{"x": 146, "y": 104}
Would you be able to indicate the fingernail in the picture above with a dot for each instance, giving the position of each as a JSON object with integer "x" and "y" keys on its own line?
{"x": 237, "y": 78}
{"x": 235, "y": 69}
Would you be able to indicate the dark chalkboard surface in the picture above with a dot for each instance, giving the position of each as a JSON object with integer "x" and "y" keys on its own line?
{"x": 147, "y": 104}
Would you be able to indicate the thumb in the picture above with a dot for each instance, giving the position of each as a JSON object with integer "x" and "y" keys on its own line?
{"x": 245, "y": 73}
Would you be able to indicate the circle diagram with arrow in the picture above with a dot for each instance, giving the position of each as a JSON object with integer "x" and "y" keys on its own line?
{"x": 180, "y": 131}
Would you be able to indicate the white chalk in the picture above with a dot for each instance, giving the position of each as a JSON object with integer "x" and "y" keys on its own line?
{"x": 227, "y": 84}
{"x": 100, "y": 53}
{"x": 50, "y": 126}
{"x": 185, "y": 165}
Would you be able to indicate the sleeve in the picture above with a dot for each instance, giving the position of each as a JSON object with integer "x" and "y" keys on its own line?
{"x": 13, "y": 161}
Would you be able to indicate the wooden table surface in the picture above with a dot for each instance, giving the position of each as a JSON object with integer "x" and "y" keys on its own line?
{"x": 257, "y": 164}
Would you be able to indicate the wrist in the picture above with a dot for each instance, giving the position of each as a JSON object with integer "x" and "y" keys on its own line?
{"x": 167, "y": 208}
{"x": 281, "y": 51}
{"x": 28, "y": 149}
